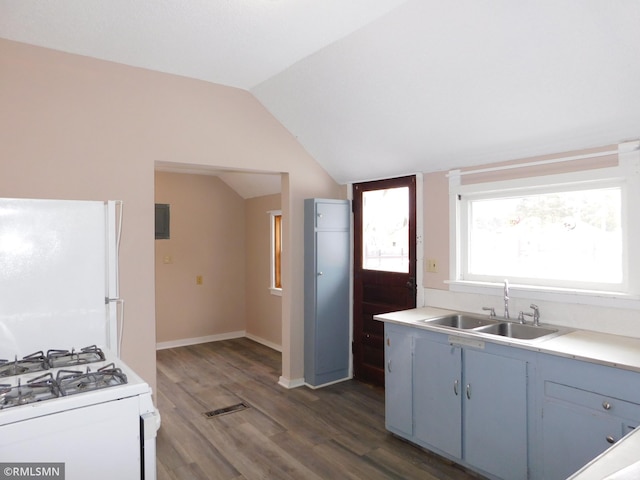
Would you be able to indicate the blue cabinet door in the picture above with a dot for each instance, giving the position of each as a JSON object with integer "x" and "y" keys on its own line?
{"x": 437, "y": 395}
{"x": 398, "y": 380}
{"x": 495, "y": 413}
{"x": 332, "y": 305}
{"x": 572, "y": 436}
{"x": 332, "y": 214}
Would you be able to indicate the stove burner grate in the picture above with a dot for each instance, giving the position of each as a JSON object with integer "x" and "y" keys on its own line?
{"x": 66, "y": 381}
{"x": 37, "y": 389}
{"x": 35, "y": 362}
{"x": 72, "y": 382}
{"x": 66, "y": 358}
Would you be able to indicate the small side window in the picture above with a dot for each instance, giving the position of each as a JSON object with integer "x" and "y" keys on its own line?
{"x": 276, "y": 251}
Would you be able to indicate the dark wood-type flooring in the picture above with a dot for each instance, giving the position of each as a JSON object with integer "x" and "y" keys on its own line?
{"x": 336, "y": 432}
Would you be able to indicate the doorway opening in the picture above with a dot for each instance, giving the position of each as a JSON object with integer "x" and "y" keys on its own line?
{"x": 217, "y": 253}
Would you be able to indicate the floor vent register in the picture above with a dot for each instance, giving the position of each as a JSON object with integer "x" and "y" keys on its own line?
{"x": 223, "y": 411}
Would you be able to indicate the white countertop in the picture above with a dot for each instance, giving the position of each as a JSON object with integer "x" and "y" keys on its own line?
{"x": 613, "y": 350}
{"x": 619, "y": 462}
{"x": 602, "y": 348}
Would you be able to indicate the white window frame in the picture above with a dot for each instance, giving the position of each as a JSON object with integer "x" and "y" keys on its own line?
{"x": 272, "y": 259}
{"x": 625, "y": 175}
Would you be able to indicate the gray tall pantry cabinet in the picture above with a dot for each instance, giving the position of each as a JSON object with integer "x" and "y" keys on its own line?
{"x": 326, "y": 290}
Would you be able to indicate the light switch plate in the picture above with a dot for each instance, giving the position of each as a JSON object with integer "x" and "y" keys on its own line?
{"x": 432, "y": 266}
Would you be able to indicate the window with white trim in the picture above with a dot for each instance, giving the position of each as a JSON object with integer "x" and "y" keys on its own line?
{"x": 572, "y": 232}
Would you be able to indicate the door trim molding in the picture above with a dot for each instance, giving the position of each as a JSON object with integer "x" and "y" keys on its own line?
{"x": 419, "y": 239}
{"x": 419, "y": 268}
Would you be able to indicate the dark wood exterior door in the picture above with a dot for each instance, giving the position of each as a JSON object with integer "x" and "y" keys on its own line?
{"x": 384, "y": 266}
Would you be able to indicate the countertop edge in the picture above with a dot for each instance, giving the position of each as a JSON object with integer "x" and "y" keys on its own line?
{"x": 575, "y": 343}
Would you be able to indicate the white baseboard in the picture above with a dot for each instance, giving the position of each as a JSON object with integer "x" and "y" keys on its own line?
{"x": 314, "y": 387}
{"x": 183, "y": 342}
{"x": 266, "y": 343}
{"x": 287, "y": 383}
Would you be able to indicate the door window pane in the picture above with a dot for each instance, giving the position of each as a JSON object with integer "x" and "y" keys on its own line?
{"x": 385, "y": 230}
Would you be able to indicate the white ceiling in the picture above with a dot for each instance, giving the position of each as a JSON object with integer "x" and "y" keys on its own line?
{"x": 379, "y": 88}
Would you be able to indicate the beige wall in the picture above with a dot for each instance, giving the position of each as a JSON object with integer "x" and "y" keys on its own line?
{"x": 264, "y": 310}
{"x": 207, "y": 239}
{"x": 436, "y": 228}
{"x": 80, "y": 128}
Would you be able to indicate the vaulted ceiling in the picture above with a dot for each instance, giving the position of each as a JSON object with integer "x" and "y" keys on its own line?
{"x": 380, "y": 88}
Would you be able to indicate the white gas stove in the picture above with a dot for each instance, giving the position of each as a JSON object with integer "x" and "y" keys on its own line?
{"x": 73, "y": 406}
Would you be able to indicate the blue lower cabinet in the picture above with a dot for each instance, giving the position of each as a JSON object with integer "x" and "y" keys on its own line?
{"x": 472, "y": 405}
{"x": 463, "y": 402}
{"x": 506, "y": 412}
{"x": 586, "y": 408}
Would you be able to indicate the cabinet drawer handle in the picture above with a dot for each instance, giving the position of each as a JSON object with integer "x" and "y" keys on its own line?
{"x": 320, "y": 274}
{"x": 389, "y": 366}
{"x": 610, "y": 439}
{"x": 455, "y": 387}
{"x": 606, "y": 405}
{"x": 469, "y": 391}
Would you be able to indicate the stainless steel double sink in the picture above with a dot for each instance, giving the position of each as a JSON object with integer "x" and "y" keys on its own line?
{"x": 492, "y": 326}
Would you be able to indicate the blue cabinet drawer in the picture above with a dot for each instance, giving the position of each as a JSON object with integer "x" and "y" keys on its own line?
{"x": 593, "y": 400}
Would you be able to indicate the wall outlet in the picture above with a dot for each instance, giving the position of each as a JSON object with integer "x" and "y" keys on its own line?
{"x": 198, "y": 279}
{"x": 432, "y": 266}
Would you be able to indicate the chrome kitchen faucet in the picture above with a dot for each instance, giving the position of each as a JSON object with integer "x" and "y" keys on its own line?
{"x": 506, "y": 299}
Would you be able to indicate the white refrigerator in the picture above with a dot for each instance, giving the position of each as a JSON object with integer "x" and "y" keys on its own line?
{"x": 58, "y": 275}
